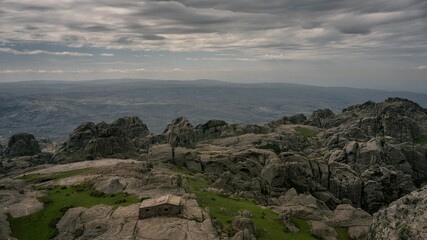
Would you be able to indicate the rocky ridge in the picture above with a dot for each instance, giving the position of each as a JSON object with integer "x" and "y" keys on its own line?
{"x": 334, "y": 169}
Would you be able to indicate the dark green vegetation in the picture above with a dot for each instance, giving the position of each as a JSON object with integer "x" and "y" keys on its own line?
{"x": 224, "y": 209}
{"x": 421, "y": 182}
{"x": 42, "y": 225}
{"x": 54, "y": 109}
{"x": 274, "y": 147}
{"x": 39, "y": 178}
{"x": 421, "y": 140}
{"x": 308, "y": 133}
{"x": 342, "y": 233}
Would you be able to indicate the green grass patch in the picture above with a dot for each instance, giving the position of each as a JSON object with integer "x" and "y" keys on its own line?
{"x": 421, "y": 140}
{"x": 198, "y": 184}
{"x": 42, "y": 225}
{"x": 180, "y": 170}
{"x": 224, "y": 209}
{"x": 38, "y": 177}
{"x": 342, "y": 233}
{"x": 308, "y": 133}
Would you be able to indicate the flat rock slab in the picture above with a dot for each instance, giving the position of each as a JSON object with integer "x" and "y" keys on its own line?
{"x": 175, "y": 228}
{"x": 85, "y": 164}
{"x": 18, "y": 205}
{"x": 104, "y": 222}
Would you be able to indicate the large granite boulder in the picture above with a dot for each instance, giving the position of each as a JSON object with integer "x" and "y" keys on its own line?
{"x": 22, "y": 144}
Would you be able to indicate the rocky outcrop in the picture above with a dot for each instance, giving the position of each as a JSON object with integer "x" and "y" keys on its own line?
{"x": 22, "y": 144}
{"x": 358, "y": 158}
{"x": 405, "y": 218}
{"x": 116, "y": 140}
{"x": 398, "y": 118}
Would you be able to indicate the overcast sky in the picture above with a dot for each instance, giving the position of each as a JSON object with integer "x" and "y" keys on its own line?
{"x": 358, "y": 43}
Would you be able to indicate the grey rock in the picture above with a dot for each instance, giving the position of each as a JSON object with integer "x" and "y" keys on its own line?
{"x": 22, "y": 144}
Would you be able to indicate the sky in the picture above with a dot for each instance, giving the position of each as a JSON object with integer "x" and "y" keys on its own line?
{"x": 378, "y": 44}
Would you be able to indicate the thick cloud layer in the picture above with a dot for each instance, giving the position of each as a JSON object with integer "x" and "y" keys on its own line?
{"x": 252, "y": 30}
{"x": 191, "y": 25}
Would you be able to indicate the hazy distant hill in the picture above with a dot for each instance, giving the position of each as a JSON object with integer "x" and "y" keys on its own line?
{"x": 54, "y": 109}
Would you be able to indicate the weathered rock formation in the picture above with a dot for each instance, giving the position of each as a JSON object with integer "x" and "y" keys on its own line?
{"x": 94, "y": 141}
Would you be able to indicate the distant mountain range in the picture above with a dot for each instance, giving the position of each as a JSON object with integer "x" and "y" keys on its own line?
{"x": 53, "y": 108}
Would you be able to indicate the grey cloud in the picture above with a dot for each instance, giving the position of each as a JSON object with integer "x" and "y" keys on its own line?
{"x": 32, "y": 7}
{"x": 138, "y": 37}
{"x": 152, "y": 37}
{"x": 29, "y": 27}
{"x": 90, "y": 27}
{"x": 182, "y": 14}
